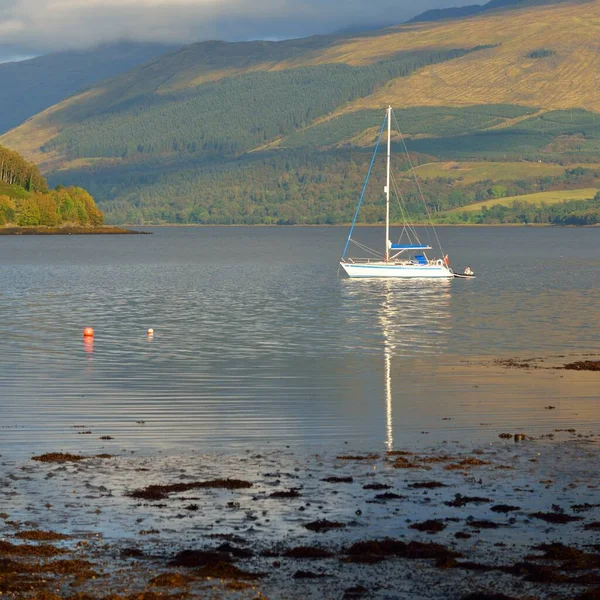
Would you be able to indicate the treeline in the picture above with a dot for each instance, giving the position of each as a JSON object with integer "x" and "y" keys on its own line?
{"x": 61, "y": 206}
{"x": 570, "y": 212}
{"x": 228, "y": 117}
{"x": 288, "y": 187}
{"x": 562, "y": 136}
{"x": 15, "y": 170}
{"x": 437, "y": 121}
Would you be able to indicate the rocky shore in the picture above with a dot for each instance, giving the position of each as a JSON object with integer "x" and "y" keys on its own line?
{"x": 68, "y": 231}
{"x": 516, "y": 518}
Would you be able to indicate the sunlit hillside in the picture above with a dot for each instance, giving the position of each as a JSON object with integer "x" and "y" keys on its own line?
{"x": 542, "y": 56}
{"x": 259, "y": 131}
{"x": 546, "y": 57}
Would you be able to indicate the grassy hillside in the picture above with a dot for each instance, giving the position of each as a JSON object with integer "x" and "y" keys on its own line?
{"x": 470, "y": 172}
{"x": 544, "y": 209}
{"x": 31, "y": 86}
{"x": 553, "y": 197}
{"x": 260, "y": 131}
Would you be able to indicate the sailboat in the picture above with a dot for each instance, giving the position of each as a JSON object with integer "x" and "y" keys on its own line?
{"x": 407, "y": 258}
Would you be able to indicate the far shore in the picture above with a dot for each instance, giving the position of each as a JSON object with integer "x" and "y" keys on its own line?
{"x": 346, "y": 225}
{"x": 109, "y": 230}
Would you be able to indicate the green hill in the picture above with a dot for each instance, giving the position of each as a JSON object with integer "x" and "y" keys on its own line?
{"x": 260, "y": 132}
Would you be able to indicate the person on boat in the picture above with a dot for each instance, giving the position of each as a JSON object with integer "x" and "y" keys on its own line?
{"x": 468, "y": 271}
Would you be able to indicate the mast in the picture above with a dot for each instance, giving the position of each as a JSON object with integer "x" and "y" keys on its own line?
{"x": 387, "y": 187}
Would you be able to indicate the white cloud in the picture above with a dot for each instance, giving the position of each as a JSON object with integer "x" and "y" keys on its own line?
{"x": 33, "y": 26}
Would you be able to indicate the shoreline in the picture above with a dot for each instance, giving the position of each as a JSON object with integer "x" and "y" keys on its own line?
{"x": 517, "y": 516}
{"x": 107, "y": 230}
{"x": 512, "y": 516}
{"x": 363, "y": 225}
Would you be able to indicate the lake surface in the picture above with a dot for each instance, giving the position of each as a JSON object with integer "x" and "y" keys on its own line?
{"x": 258, "y": 341}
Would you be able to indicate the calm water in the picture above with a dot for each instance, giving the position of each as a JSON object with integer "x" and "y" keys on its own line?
{"x": 258, "y": 341}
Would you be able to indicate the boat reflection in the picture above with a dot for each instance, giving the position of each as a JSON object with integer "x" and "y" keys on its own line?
{"x": 414, "y": 318}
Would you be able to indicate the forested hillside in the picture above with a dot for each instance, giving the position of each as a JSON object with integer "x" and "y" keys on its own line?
{"x": 25, "y": 200}
{"x": 282, "y": 132}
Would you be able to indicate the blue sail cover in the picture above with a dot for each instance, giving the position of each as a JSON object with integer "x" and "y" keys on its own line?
{"x": 400, "y": 247}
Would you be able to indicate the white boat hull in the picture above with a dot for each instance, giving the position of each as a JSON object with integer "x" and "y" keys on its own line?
{"x": 395, "y": 271}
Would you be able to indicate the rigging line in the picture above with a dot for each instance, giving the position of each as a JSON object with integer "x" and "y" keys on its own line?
{"x": 418, "y": 183}
{"x": 403, "y": 212}
{"x": 365, "y": 186}
{"x": 367, "y": 249}
{"x": 405, "y": 221}
{"x": 404, "y": 209}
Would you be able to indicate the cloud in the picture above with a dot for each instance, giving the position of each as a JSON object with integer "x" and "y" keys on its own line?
{"x": 37, "y": 26}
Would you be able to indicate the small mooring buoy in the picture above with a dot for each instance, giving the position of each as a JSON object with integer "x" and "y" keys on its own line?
{"x": 150, "y": 331}
{"x": 88, "y": 332}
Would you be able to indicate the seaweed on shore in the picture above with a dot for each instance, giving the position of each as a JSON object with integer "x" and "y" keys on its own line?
{"x": 199, "y": 558}
{"x": 556, "y": 518}
{"x": 224, "y": 570}
{"x": 323, "y": 525}
{"x": 377, "y": 486}
{"x": 29, "y": 550}
{"x": 504, "y": 508}
{"x": 429, "y": 526}
{"x": 583, "y": 365}
{"x": 162, "y": 492}
{"x": 41, "y": 536}
{"x": 359, "y": 457}
{"x": 427, "y": 485}
{"x": 293, "y": 493}
{"x": 392, "y": 547}
{"x": 460, "y": 500}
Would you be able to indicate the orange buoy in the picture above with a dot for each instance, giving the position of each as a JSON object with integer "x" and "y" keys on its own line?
{"x": 88, "y": 332}
{"x": 150, "y": 331}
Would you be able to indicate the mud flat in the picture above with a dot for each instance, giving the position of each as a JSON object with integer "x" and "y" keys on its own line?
{"x": 516, "y": 518}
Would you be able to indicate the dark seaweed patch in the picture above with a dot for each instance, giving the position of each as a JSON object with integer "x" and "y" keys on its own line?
{"x": 460, "y": 500}
{"x": 556, "y": 518}
{"x": 504, "y": 508}
{"x": 429, "y": 526}
{"x": 323, "y": 525}
{"x": 293, "y": 493}
{"x": 161, "y": 492}
{"x": 427, "y": 485}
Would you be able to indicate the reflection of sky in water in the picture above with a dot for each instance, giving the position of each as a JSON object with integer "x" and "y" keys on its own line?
{"x": 257, "y": 340}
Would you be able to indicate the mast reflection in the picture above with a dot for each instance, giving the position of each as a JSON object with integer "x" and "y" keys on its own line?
{"x": 414, "y": 319}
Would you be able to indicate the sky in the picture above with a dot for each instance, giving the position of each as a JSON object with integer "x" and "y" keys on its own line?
{"x": 34, "y": 27}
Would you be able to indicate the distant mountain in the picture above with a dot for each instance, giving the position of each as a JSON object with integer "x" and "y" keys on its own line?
{"x": 437, "y": 14}
{"x": 476, "y": 9}
{"x": 30, "y": 86}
